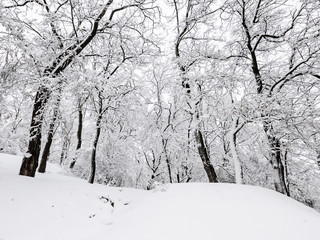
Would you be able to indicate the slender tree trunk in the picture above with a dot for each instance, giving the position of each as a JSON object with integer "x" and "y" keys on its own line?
{"x": 178, "y": 177}
{"x": 46, "y": 150}
{"x": 286, "y": 171}
{"x": 30, "y": 160}
{"x": 235, "y": 157}
{"x": 95, "y": 143}
{"x": 93, "y": 152}
{"x": 164, "y": 144}
{"x": 203, "y": 152}
{"x": 318, "y": 157}
{"x": 79, "y": 136}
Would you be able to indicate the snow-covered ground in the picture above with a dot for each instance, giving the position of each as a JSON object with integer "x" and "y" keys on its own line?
{"x": 59, "y": 207}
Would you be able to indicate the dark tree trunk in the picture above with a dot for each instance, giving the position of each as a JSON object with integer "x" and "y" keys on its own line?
{"x": 169, "y": 170}
{"x": 96, "y": 140}
{"x": 178, "y": 178}
{"x": 46, "y": 150}
{"x": 318, "y": 157}
{"x": 286, "y": 172}
{"x": 93, "y": 153}
{"x": 79, "y": 137}
{"x": 203, "y": 152}
{"x": 31, "y": 158}
{"x": 164, "y": 144}
{"x": 280, "y": 183}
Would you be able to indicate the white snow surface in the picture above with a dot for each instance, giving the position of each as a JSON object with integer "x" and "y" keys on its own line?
{"x": 54, "y": 206}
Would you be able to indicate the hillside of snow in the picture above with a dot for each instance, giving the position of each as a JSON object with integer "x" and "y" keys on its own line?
{"x": 60, "y": 207}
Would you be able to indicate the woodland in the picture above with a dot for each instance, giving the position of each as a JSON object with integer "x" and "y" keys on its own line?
{"x": 136, "y": 93}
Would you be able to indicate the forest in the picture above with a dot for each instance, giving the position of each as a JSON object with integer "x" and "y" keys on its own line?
{"x": 137, "y": 93}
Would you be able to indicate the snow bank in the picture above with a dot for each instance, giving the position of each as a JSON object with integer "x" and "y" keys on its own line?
{"x": 218, "y": 211}
{"x": 55, "y": 206}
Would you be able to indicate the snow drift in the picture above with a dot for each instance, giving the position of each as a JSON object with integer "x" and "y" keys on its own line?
{"x": 56, "y": 206}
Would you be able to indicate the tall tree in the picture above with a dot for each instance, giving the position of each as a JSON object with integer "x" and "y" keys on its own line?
{"x": 81, "y": 35}
{"x": 187, "y": 26}
{"x": 267, "y": 28}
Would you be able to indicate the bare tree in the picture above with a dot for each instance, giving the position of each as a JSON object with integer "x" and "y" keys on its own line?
{"x": 81, "y": 36}
{"x": 194, "y": 13}
{"x": 267, "y": 27}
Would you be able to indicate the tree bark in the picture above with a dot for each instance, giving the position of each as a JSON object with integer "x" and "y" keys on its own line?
{"x": 235, "y": 157}
{"x": 164, "y": 144}
{"x": 280, "y": 182}
{"x": 318, "y": 157}
{"x": 203, "y": 152}
{"x": 46, "y": 150}
{"x": 79, "y": 137}
{"x": 96, "y": 140}
{"x": 30, "y": 160}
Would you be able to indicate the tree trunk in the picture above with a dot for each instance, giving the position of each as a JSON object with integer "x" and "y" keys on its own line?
{"x": 46, "y": 150}
{"x": 286, "y": 171}
{"x": 318, "y": 157}
{"x": 203, "y": 152}
{"x": 93, "y": 152}
{"x": 95, "y": 143}
{"x": 280, "y": 184}
{"x": 235, "y": 157}
{"x": 31, "y": 158}
{"x": 276, "y": 158}
{"x": 164, "y": 144}
{"x": 79, "y": 137}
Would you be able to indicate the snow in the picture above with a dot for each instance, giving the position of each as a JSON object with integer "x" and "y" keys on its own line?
{"x": 57, "y": 206}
